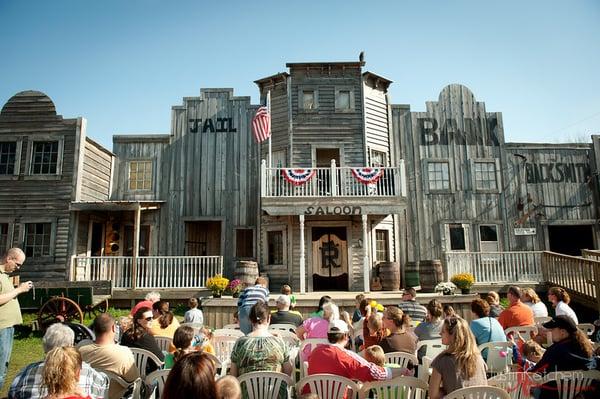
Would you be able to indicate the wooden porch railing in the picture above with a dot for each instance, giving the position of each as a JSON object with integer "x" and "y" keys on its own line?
{"x": 151, "y": 271}
{"x": 580, "y": 276}
{"x": 333, "y": 182}
{"x": 593, "y": 254}
{"x": 496, "y": 267}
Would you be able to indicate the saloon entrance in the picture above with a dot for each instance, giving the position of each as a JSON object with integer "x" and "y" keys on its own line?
{"x": 329, "y": 259}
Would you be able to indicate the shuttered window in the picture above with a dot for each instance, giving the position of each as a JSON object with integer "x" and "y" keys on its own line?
{"x": 37, "y": 239}
{"x": 8, "y": 156}
{"x": 382, "y": 245}
{"x": 275, "y": 243}
{"x": 438, "y": 175}
{"x": 244, "y": 243}
{"x": 140, "y": 175}
{"x": 485, "y": 175}
{"x": 342, "y": 100}
{"x": 44, "y": 159}
{"x": 309, "y": 99}
{"x": 3, "y": 237}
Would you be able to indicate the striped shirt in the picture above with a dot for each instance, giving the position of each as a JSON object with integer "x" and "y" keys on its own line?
{"x": 251, "y": 295}
{"x": 415, "y": 310}
{"x": 27, "y": 384}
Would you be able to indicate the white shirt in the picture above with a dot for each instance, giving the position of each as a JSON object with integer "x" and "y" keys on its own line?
{"x": 193, "y": 316}
{"x": 539, "y": 309}
{"x": 564, "y": 309}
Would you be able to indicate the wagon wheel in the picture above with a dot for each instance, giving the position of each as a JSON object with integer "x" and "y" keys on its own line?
{"x": 59, "y": 309}
{"x": 91, "y": 311}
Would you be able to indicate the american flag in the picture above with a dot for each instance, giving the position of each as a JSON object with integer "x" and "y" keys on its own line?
{"x": 261, "y": 125}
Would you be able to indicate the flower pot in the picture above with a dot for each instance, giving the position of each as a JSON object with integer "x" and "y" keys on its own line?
{"x": 216, "y": 295}
{"x": 465, "y": 291}
{"x": 236, "y": 295}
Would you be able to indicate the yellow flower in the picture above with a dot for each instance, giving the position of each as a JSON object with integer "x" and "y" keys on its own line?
{"x": 463, "y": 280}
{"x": 217, "y": 283}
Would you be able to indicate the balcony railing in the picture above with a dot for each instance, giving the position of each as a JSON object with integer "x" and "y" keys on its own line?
{"x": 333, "y": 182}
{"x": 496, "y": 267}
{"x": 150, "y": 272}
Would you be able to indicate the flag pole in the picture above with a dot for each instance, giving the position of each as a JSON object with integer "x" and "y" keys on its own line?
{"x": 270, "y": 127}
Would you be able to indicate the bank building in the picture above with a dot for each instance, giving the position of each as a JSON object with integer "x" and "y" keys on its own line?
{"x": 357, "y": 190}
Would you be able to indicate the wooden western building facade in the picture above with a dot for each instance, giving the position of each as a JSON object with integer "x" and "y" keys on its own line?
{"x": 354, "y": 181}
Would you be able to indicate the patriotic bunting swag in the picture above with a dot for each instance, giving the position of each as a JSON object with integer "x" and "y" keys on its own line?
{"x": 298, "y": 176}
{"x": 367, "y": 175}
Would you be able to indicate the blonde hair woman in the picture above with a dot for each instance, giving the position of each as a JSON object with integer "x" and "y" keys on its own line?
{"x": 61, "y": 373}
{"x": 459, "y": 366}
{"x": 530, "y": 298}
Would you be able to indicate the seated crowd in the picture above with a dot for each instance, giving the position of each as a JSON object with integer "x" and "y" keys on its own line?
{"x": 351, "y": 346}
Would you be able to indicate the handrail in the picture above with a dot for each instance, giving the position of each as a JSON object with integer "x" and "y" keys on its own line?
{"x": 496, "y": 267}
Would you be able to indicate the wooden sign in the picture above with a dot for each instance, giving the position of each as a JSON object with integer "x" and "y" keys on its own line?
{"x": 525, "y": 231}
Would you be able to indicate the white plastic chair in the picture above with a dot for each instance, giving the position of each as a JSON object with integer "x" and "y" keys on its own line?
{"x": 196, "y": 326}
{"x": 265, "y": 384}
{"x": 283, "y": 326}
{"x": 478, "y": 392}
{"x": 312, "y": 343}
{"x": 157, "y": 379}
{"x": 227, "y": 332}
{"x": 164, "y": 343}
{"x": 401, "y": 358}
{"x": 541, "y": 320}
{"x": 231, "y": 326}
{"x": 570, "y": 383}
{"x": 587, "y": 328}
{"x": 499, "y": 356}
{"x": 290, "y": 338}
{"x": 83, "y": 342}
{"x": 517, "y": 385}
{"x": 328, "y": 386}
{"x": 399, "y": 387}
{"x": 115, "y": 379}
{"x": 527, "y": 332}
{"x": 433, "y": 347}
{"x": 141, "y": 360}
{"x": 223, "y": 345}
{"x": 425, "y": 369}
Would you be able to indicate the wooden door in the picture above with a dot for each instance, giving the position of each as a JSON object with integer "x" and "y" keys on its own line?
{"x": 330, "y": 258}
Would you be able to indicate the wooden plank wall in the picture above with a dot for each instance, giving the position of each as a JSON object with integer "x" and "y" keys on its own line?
{"x": 280, "y": 126}
{"x": 343, "y": 129}
{"x": 472, "y": 133}
{"x": 97, "y": 172}
{"x": 29, "y": 116}
{"x": 376, "y": 120}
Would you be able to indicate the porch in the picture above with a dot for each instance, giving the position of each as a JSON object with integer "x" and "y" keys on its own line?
{"x": 147, "y": 272}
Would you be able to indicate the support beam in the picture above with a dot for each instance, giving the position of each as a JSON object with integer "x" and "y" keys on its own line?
{"x": 136, "y": 244}
{"x": 366, "y": 276}
{"x": 302, "y": 258}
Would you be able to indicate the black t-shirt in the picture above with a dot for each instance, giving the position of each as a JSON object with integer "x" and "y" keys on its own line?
{"x": 286, "y": 317}
{"x": 148, "y": 343}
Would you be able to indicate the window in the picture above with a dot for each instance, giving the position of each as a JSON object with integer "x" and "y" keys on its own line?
{"x": 439, "y": 175}
{"x": 143, "y": 245}
{"x": 378, "y": 158}
{"x": 3, "y": 237}
{"x": 37, "y": 239}
{"x": 485, "y": 175}
{"x": 342, "y": 100}
{"x": 309, "y": 99}
{"x": 382, "y": 253}
{"x": 457, "y": 237}
{"x": 140, "y": 175}
{"x": 8, "y": 156}
{"x": 275, "y": 250}
{"x": 44, "y": 159}
{"x": 488, "y": 237}
{"x": 244, "y": 243}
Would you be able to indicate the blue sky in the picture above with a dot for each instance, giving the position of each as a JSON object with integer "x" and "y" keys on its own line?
{"x": 123, "y": 64}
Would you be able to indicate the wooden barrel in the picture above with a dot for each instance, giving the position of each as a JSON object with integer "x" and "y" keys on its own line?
{"x": 430, "y": 274}
{"x": 389, "y": 274}
{"x": 411, "y": 275}
{"x": 246, "y": 271}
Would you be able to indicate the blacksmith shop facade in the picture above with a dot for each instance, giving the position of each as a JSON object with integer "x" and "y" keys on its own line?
{"x": 354, "y": 181}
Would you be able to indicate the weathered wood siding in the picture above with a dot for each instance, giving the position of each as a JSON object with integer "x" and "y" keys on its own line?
{"x": 25, "y": 198}
{"x": 376, "y": 120}
{"x": 553, "y": 182}
{"x": 458, "y": 130}
{"x": 96, "y": 173}
{"x": 324, "y": 125}
{"x": 280, "y": 117}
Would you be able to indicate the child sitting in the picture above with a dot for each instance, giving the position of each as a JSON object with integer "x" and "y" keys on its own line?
{"x": 287, "y": 290}
{"x": 228, "y": 387}
{"x": 528, "y": 355}
{"x": 194, "y": 315}
{"x": 373, "y": 331}
{"x": 357, "y": 315}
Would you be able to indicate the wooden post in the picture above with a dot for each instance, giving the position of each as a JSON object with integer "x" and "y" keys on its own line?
{"x": 302, "y": 258}
{"x": 333, "y": 179}
{"x": 366, "y": 276}
{"x": 264, "y": 179}
{"x": 136, "y": 244}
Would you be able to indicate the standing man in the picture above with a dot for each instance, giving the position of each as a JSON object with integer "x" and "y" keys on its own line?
{"x": 10, "y": 313}
{"x": 410, "y": 306}
{"x": 249, "y": 297}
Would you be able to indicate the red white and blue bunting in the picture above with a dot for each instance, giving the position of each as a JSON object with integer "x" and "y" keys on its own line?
{"x": 367, "y": 175}
{"x": 298, "y": 176}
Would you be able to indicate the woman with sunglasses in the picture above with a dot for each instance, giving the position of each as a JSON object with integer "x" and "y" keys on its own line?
{"x": 459, "y": 366}
{"x": 138, "y": 336}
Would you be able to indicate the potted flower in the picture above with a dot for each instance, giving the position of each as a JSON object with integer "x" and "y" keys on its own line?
{"x": 446, "y": 288}
{"x": 234, "y": 288}
{"x": 464, "y": 281}
{"x": 217, "y": 285}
